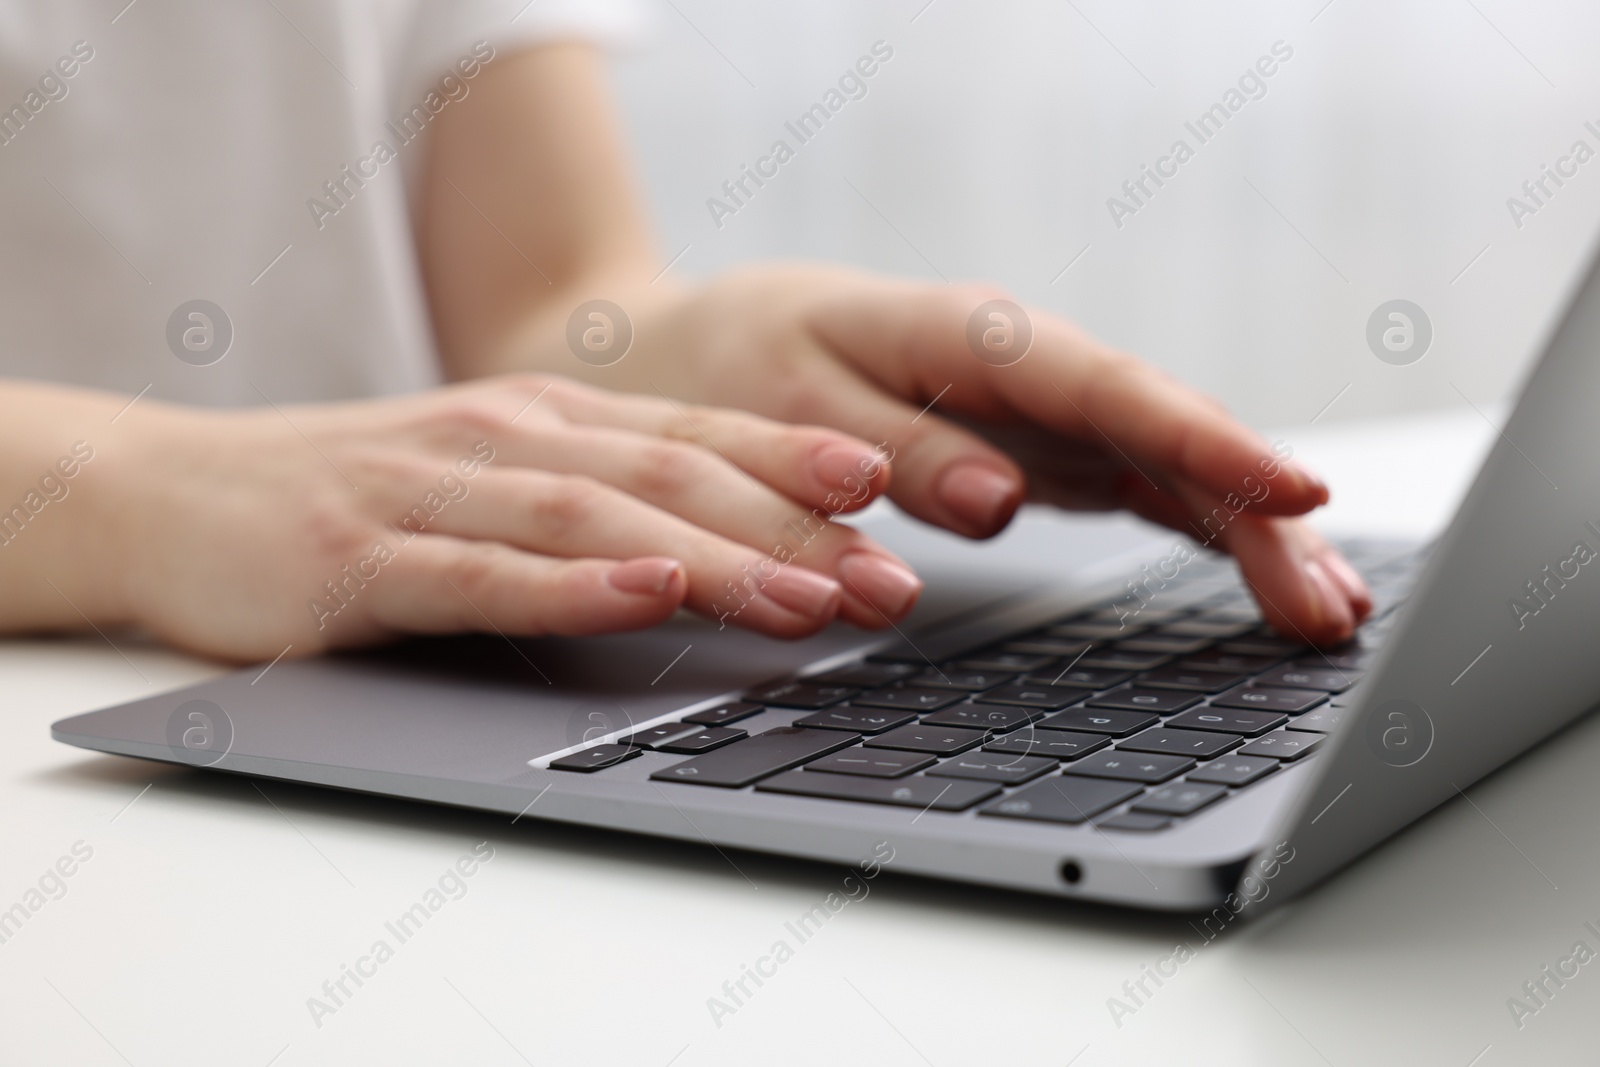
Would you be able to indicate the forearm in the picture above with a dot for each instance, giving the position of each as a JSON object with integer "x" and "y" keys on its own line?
{"x": 59, "y": 533}
{"x": 529, "y": 210}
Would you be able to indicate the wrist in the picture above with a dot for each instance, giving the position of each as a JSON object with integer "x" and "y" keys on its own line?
{"x": 550, "y": 335}
{"x": 60, "y": 550}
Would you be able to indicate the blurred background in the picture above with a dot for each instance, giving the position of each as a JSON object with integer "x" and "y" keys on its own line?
{"x": 1377, "y": 166}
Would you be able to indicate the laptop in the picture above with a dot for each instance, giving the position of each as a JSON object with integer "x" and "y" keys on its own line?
{"x": 1133, "y": 735}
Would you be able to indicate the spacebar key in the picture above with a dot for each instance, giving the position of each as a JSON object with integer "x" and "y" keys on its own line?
{"x": 937, "y": 794}
{"x": 742, "y": 762}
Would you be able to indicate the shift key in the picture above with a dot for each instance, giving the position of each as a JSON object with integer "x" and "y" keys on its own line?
{"x": 743, "y": 762}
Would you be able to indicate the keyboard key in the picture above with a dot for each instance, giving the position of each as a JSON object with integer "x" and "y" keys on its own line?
{"x": 1079, "y": 677}
{"x": 1061, "y": 799}
{"x": 801, "y": 695}
{"x": 1095, "y": 631}
{"x": 1014, "y": 662}
{"x": 723, "y": 714}
{"x": 1324, "y": 679}
{"x": 1128, "y": 611}
{"x": 903, "y": 654}
{"x": 994, "y": 767}
{"x": 994, "y": 717}
{"x": 1339, "y": 661}
{"x": 595, "y": 757}
{"x": 1047, "y": 646}
{"x": 1135, "y": 698}
{"x": 1196, "y": 743}
{"x": 1223, "y": 661}
{"x": 864, "y": 675}
{"x": 1229, "y": 720}
{"x": 1285, "y": 745}
{"x": 737, "y": 765}
{"x": 1058, "y": 744}
{"x": 1243, "y": 612}
{"x": 1132, "y": 766}
{"x": 934, "y": 794}
{"x": 856, "y": 720}
{"x": 1135, "y": 821}
{"x": 1114, "y": 723}
{"x": 1267, "y": 632}
{"x": 909, "y": 699}
{"x": 1193, "y": 681}
{"x": 938, "y": 740}
{"x": 1180, "y": 798}
{"x": 1234, "y": 770}
{"x": 704, "y": 741}
{"x": 871, "y": 762}
{"x": 656, "y": 736}
{"x": 1323, "y": 720}
{"x": 1111, "y": 660}
{"x": 1288, "y": 701}
{"x": 1048, "y": 697}
{"x": 1169, "y": 644}
{"x": 1217, "y": 630}
{"x": 967, "y": 681}
{"x": 1276, "y": 647}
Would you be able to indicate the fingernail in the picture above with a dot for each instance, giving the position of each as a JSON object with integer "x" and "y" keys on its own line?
{"x": 981, "y": 495}
{"x": 650, "y": 576}
{"x": 1333, "y": 607}
{"x": 803, "y": 592}
{"x": 1314, "y": 484}
{"x": 884, "y": 584}
{"x": 1354, "y": 585}
{"x": 840, "y": 467}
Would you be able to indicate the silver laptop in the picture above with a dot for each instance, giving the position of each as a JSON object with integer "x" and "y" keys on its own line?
{"x": 1143, "y": 739}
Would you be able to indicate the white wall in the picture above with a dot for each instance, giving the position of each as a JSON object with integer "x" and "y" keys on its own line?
{"x": 991, "y": 141}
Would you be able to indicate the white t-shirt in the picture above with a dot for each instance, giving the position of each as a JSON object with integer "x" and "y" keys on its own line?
{"x": 177, "y": 151}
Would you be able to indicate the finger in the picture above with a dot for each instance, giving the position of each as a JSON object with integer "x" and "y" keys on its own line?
{"x": 944, "y": 474}
{"x": 1286, "y": 564}
{"x": 443, "y": 585}
{"x": 1289, "y": 598}
{"x": 1126, "y": 491}
{"x": 1072, "y": 475}
{"x": 1295, "y": 592}
{"x": 1347, "y": 578}
{"x": 575, "y": 516}
{"x": 699, "y": 486}
{"x": 1303, "y": 585}
{"x": 913, "y": 339}
{"x": 810, "y": 464}
{"x": 1162, "y": 429}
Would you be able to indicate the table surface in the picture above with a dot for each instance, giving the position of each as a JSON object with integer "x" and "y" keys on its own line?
{"x": 203, "y": 912}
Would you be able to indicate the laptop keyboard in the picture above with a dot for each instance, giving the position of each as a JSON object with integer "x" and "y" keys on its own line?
{"x": 1132, "y": 715}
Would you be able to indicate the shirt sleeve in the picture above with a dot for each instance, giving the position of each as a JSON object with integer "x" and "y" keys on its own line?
{"x": 444, "y": 32}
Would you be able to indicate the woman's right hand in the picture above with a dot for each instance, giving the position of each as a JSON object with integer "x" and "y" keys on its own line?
{"x": 524, "y": 505}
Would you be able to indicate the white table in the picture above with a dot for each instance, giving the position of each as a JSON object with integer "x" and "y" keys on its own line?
{"x": 209, "y": 912}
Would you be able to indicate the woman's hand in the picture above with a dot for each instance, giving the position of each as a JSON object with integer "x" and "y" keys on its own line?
{"x": 523, "y": 505}
{"x": 1071, "y": 422}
